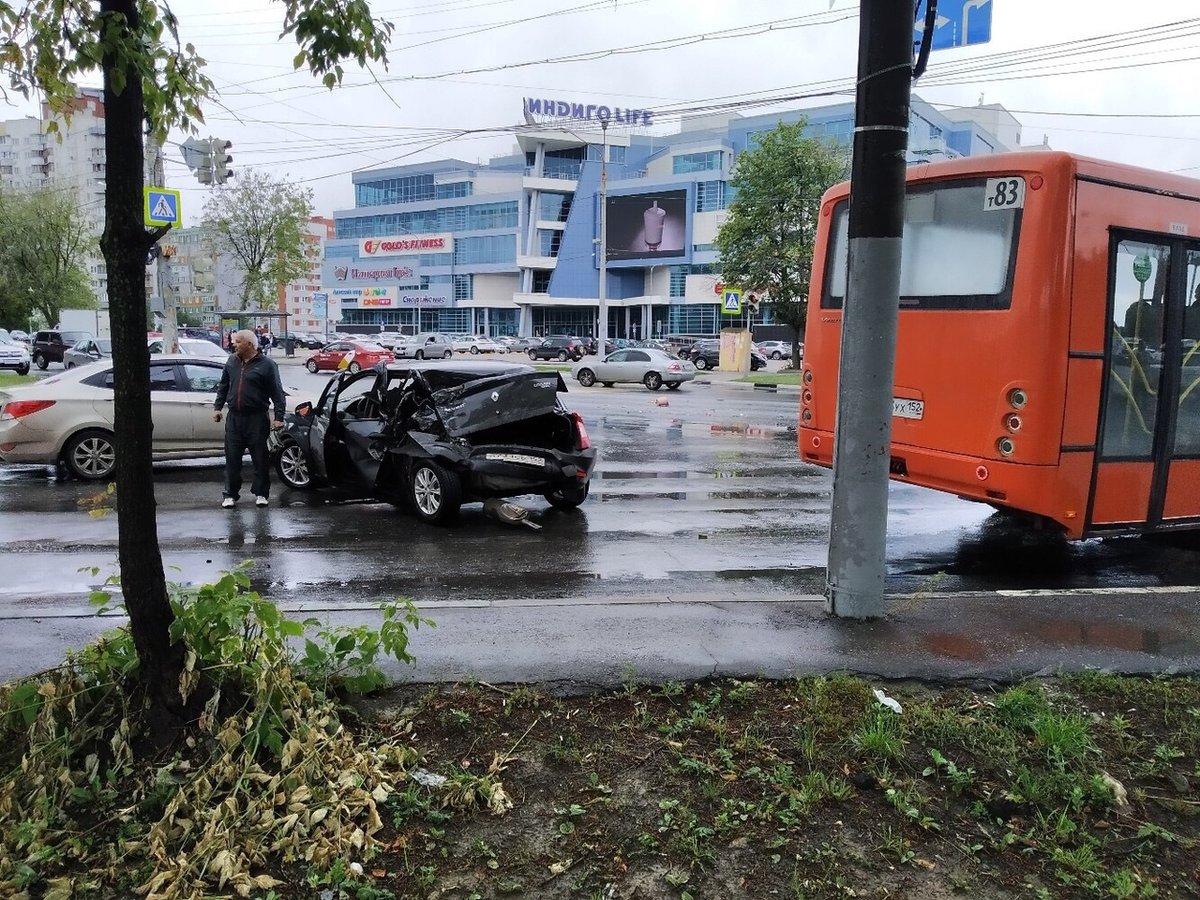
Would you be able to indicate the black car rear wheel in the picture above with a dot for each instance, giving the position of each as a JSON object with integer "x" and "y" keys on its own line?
{"x": 41, "y": 361}
{"x": 652, "y": 380}
{"x": 701, "y": 363}
{"x": 292, "y": 466}
{"x": 568, "y": 497}
{"x": 586, "y": 377}
{"x": 435, "y": 492}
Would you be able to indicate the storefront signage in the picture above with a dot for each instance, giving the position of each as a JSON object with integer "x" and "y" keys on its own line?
{"x": 344, "y": 271}
{"x": 405, "y": 244}
{"x": 424, "y": 300}
{"x": 563, "y": 109}
{"x": 365, "y": 297}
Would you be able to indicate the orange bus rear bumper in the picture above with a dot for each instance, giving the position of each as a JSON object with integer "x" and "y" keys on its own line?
{"x": 1036, "y": 489}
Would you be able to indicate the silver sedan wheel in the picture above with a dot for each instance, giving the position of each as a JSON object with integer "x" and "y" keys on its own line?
{"x": 92, "y": 456}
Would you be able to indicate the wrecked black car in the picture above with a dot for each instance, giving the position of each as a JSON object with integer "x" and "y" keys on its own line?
{"x": 434, "y": 435}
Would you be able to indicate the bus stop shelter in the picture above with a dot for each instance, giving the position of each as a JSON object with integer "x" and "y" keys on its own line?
{"x": 248, "y": 318}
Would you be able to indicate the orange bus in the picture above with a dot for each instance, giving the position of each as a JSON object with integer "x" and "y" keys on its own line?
{"x": 1048, "y": 351}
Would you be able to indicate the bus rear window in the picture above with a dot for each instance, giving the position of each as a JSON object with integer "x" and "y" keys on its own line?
{"x": 959, "y": 247}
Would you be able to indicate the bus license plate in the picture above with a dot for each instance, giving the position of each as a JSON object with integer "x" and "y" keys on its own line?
{"x": 903, "y": 408}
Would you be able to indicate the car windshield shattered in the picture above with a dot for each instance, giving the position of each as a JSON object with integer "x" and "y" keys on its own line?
{"x": 432, "y": 436}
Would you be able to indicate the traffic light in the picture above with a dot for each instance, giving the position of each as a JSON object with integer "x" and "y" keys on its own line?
{"x": 752, "y": 302}
{"x": 198, "y": 155}
{"x": 221, "y": 160}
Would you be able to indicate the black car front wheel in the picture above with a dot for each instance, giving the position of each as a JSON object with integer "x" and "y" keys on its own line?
{"x": 292, "y": 466}
{"x": 434, "y": 491}
{"x": 568, "y": 497}
{"x": 562, "y": 355}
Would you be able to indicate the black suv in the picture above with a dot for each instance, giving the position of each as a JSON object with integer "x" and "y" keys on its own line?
{"x": 49, "y": 346}
{"x": 558, "y": 346}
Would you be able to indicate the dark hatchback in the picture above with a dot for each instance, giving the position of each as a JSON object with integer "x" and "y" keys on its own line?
{"x": 708, "y": 356}
{"x": 431, "y": 436}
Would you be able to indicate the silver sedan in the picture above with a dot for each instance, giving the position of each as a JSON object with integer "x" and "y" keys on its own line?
{"x": 653, "y": 368}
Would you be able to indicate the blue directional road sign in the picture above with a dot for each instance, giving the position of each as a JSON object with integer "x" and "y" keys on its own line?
{"x": 958, "y": 23}
{"x": 161, "y": 206}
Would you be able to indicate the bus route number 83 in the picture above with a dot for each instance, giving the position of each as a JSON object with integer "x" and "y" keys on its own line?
{"x": 1004, "y": 193}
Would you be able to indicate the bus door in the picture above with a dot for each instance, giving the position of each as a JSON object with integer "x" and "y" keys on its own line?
{"x": 1148, "y": 456}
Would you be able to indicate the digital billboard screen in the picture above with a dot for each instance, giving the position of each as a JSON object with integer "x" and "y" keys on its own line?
{"x": 647, "y": 226}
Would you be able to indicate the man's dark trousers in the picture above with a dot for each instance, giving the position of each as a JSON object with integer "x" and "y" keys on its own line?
{"x": 247, "y": 431}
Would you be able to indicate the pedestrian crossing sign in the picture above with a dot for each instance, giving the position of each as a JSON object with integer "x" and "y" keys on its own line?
{"x": 732, "y": 305}
{"x": 161, "y": 206}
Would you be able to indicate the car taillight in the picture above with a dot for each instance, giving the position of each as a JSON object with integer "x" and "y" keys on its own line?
{"x": 674, "y": 367}
{"x": 580, "y": 429}
{"x": 20, "y": 408}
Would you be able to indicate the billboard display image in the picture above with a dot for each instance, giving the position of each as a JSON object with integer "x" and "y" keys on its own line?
{"x": 647, "y": 226}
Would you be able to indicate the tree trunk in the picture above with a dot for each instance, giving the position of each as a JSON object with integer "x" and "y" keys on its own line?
{"x": 125, "y": 244}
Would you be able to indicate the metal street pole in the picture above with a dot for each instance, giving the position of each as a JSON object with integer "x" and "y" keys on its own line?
{"x": 602, "y": 327}
{"x": 863, "y": 431}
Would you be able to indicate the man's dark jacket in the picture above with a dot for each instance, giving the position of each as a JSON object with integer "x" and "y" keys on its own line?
{"x": 250, "y": 386}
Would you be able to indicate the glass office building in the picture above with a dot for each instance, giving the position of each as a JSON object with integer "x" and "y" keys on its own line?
{"x": 510, "y": 247}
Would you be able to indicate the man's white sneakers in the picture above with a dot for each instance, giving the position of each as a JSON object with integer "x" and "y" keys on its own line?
{"x": 260, "y": 501}
{"x": 227, "y": 503}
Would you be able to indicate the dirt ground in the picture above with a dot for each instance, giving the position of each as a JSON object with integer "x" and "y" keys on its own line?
{"x": 1083, "y": 787}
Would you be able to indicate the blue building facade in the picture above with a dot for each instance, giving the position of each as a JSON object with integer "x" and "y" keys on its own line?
{"x": 511, "y": 247}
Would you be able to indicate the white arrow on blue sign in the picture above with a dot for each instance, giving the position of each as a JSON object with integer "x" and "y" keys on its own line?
{"x": 958, "y": 23}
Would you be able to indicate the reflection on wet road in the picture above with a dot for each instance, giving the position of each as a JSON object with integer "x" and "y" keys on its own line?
{"x": 703, "y": 498}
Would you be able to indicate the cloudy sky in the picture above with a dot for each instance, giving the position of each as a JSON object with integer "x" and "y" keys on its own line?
{"x": 1109, "y": 78}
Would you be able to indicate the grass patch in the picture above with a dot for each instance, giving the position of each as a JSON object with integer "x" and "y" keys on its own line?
{"x": 12, "y": 379}
{"x": 1082, "y": 787}
{"x": 786, "y": 377}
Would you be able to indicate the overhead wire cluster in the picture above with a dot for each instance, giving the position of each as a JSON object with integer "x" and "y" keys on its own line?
{"x": 1164, "y": 44}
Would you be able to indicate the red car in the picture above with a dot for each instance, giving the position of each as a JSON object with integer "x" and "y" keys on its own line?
{"x": 359, "y": 355}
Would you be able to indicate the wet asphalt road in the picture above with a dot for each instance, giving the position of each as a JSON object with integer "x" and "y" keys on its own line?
{"x": 702, "y": 500}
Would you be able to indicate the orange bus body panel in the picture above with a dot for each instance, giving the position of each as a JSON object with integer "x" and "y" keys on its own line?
{"x": 1050, "y": 342}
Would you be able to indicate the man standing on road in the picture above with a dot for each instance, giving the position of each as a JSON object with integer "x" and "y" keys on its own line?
{"x": 250, "y": 383}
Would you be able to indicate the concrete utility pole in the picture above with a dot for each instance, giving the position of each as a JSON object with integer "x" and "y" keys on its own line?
{"x": 863, "y": 432}
{"x": 602, "y": 325}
